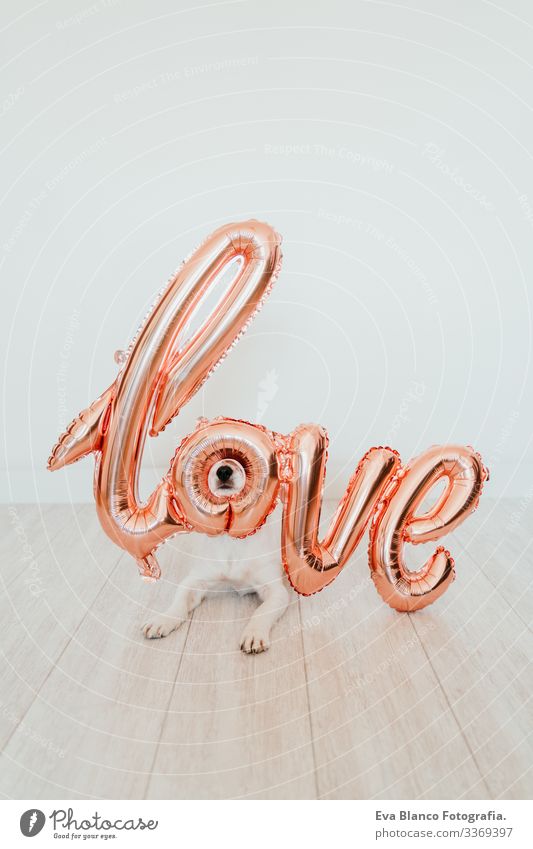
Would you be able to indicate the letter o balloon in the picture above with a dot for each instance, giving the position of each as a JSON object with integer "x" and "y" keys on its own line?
{"x": 247, "y": 447}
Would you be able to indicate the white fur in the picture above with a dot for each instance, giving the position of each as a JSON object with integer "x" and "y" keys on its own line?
{"x": 234, "y": 485}
{"x": 248, "y": 565}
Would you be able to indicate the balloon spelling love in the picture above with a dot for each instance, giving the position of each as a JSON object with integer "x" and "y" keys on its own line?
{"x": 167, "y": 363}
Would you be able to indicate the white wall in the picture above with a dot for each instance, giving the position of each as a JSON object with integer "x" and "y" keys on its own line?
{"x": 389, "y": 144}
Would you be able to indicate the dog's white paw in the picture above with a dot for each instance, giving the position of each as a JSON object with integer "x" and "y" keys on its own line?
{"x": 162, "y": 628}
{"x": 254, "y": 641}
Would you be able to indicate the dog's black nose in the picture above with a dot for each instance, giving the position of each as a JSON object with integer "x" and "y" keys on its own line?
{"x": 224, "y": 473}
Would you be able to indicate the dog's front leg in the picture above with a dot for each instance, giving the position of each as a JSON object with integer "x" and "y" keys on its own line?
{"x": 189, "y": 595}
{"x": 256, "y": 636}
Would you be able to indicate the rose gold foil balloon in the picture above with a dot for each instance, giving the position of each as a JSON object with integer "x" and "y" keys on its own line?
{"x": 396, "y": 522}
{"x": 310, "y": 564}
{"x": 163, "y": 369}
{"x": 383, "y": 491}
{"x": 250, "y": 449}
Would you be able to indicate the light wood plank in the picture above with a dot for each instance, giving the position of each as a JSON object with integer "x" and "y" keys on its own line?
{"x": 429, "y": 706}
{"x": 39, "y": 626}
{"x": 381, "y": 724}
{"x": 28, "y": 531}
{"x": 105, "y": 701}
{"x": 500, "y": 538}
{"x": 238, "y": 725}
{"x": 482, "y": 653}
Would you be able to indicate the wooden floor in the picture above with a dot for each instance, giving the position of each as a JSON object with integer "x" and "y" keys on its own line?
{"x": 352, "y": 701}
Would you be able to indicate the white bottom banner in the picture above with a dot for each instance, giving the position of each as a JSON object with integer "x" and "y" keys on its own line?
{"x": 258, "y": 824}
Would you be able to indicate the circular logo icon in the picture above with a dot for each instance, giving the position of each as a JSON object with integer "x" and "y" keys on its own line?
{"x": 32, "y": 822}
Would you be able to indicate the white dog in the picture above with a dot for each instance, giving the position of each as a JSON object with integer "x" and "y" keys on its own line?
{"x": 248, "y": 565}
